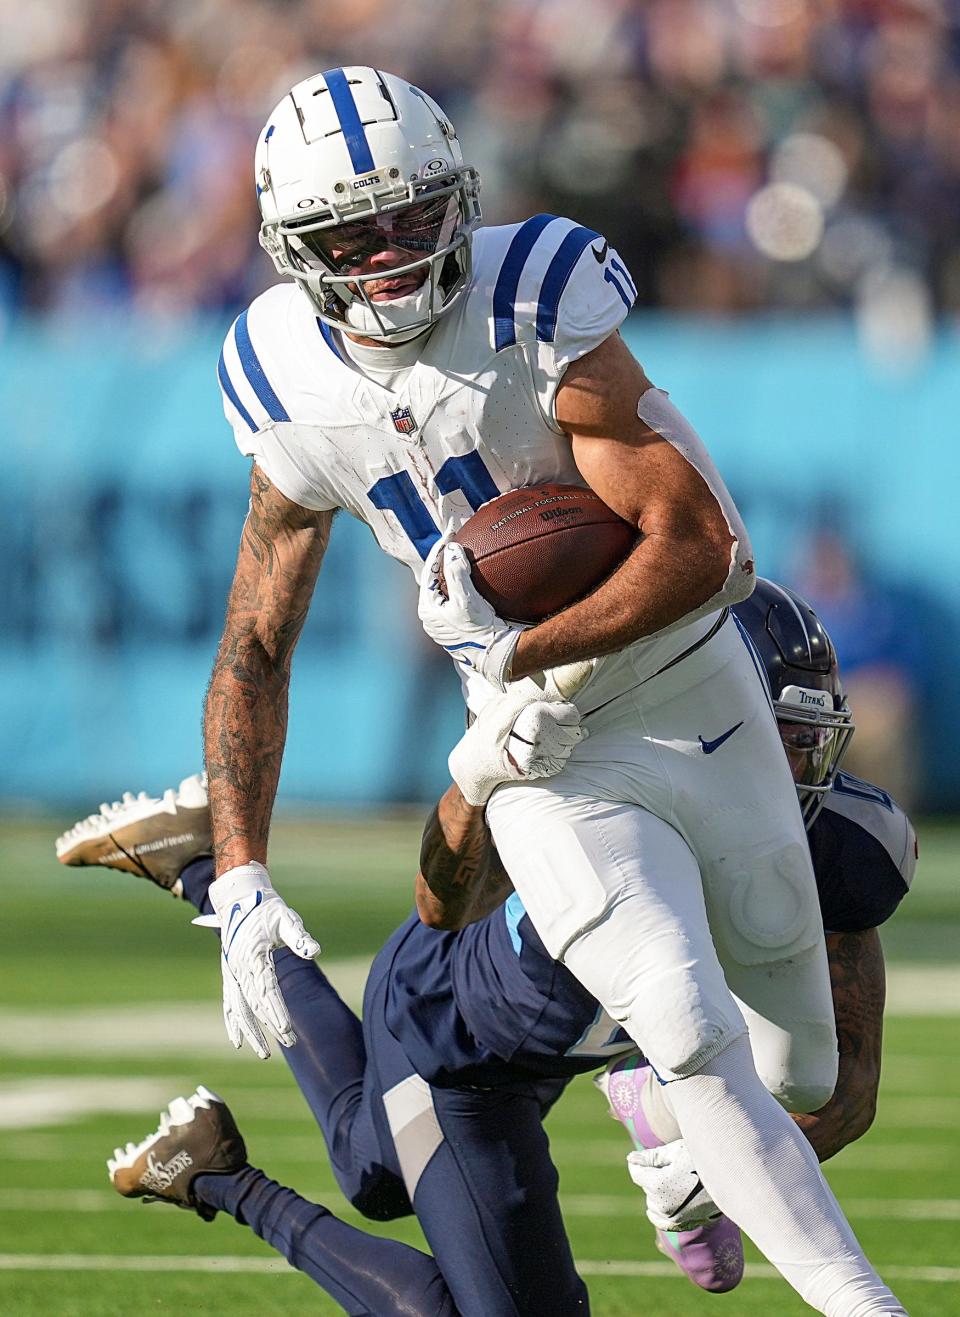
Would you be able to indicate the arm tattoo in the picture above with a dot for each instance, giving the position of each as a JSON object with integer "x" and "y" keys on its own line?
{"x": 245, "y": 720}
{"x": 461, "y": 876}
{"x": 858, "y": 983}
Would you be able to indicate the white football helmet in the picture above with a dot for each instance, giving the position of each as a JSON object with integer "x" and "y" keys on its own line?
{"x": 353, "y": 161}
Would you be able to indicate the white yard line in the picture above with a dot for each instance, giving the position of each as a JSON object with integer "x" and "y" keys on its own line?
{"x": 195, "y": 1028}
{"x": 878, "y": 1209}
{"x": 146, "y": 1030}
{"x": 29, "y": 1103}
{"x": 268, "y": 1266}
{"x": 593, "y": 1205}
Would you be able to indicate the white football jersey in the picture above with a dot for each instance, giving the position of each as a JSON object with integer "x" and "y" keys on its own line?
{"x": 474, "y": 416}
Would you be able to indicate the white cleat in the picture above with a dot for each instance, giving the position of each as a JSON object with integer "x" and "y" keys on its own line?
{"x": 148, "y": 836}
{"x": 197, "y": 1136}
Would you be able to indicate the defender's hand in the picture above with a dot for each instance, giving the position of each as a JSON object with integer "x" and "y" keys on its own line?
{"x": 676, "y": 1198}
{"x": 253, "y": 919}
{"x": 517, "y": 737}
{"x": 463, "y": 623}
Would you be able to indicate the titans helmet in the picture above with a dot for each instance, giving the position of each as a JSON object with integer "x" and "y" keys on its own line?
{"x": 802, "y": 671}
{"x": 350, "y": 162}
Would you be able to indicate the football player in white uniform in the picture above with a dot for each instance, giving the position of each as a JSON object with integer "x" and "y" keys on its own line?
{"x": 412, "y": 370}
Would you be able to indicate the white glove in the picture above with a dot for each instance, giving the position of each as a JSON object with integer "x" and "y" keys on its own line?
{"x": 253, "y": 919}
{"x": 676, "y": 1198}
{"x": 463, "y": 623}
{"x": 517, "y": 737}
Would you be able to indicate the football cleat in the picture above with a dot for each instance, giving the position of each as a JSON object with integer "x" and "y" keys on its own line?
{"x": 153, "y": 838}
{"x": 712, "y": 1254}
{"x": 197, "y": 1136}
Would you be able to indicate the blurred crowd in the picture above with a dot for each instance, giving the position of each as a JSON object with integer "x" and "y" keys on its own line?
{"x": 741, "y": 154}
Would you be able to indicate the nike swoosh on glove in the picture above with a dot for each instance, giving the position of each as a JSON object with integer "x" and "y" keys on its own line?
{"x": 516, "y": 737}
{"x": 463, "y": 623}
{"x": 253, "y": 919}
{"x": 676, "y": 1198}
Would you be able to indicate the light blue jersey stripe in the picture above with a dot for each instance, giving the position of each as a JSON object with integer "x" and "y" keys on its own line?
{"x": 555, "y": 280}
{"x": 508, "y": 280}
{"x": 256, "y": 374}
{"x": 514, "y": 912}
{"x": 227, "y": 385}
{"x": 346, "y": 110}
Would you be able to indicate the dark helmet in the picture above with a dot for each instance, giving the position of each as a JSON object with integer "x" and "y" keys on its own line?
{"x": 800, "y": 662}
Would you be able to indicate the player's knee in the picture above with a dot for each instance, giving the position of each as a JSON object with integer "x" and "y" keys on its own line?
{"x": 381, "y": 1197}
{"x": 807, "y": 1082}
{"x": 805, "y": 1094}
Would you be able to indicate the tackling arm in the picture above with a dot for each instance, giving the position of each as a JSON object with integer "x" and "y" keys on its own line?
{"x": 461, "y": 878}
{"x": 245, "y": 720}
{"x": 693, "y": 554}
{"x": 859, "y": 989}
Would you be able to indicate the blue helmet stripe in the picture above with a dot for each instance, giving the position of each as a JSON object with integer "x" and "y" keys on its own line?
{"x": 255, "y": 372}
{"x": 508, "y": 280}
{"x": 227, "y": 385}
{"x": 555, "y": 280}
{"x": 346, "y": 110}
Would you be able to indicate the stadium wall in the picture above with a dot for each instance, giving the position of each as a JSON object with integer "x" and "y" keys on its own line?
{"x": 124, "y": 494}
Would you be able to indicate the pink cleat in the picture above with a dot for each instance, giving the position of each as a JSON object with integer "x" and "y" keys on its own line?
{"x": 712, "y": 1254}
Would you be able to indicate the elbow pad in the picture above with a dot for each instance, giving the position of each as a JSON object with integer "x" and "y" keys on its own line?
{"x": 658, "y": 413}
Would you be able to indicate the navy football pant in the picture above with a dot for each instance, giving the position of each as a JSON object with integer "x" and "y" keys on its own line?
{"x": 476, "y": 1161}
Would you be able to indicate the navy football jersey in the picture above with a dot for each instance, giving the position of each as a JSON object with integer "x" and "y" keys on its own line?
{"x": 487, "y": 1005}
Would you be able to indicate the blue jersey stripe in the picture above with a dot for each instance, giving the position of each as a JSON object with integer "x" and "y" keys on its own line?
{"x": 255, "y": 372}
{"x": 328, "y": 338}
{"x": 346, "y": 110}
{"x": 621, "y": 269}
{"x": 555, "y": 280}
{"x": 611, "y": 278}
{"x": 508, "y": 280}
{"x": 757, "y": 661}
{"x": 227, "y": 385}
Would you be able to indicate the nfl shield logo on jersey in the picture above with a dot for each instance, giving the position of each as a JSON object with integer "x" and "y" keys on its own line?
{"x": 403, "y": 421}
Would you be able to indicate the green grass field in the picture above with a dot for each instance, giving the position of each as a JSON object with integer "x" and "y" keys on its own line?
{"x": 111, "y": 1006}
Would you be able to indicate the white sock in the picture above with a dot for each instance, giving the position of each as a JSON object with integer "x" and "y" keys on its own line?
{"x": 658, "y": 1111}
{"x": 760, "y": 1170}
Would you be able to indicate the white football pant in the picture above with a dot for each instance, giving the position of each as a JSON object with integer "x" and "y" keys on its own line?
{"x": 670, "y": 843}
{"x": 668, "y": 868}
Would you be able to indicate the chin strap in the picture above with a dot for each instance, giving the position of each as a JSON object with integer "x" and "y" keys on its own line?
{"x": 396, "y": 315}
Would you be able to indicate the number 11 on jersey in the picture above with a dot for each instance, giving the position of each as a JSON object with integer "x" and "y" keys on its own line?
{"x": 398, "y": 494}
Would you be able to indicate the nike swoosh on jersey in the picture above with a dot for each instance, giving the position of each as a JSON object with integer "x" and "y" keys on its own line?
{"x": 708, "y": 747}
{"x": 601, "y": 255}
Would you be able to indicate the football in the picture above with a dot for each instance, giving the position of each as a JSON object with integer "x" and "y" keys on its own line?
{"x": 535, "y": 551}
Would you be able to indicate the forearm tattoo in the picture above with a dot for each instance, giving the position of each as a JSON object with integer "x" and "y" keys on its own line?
{"x": 245, "y": 720}
{"x": 462, "y": 876}
{"x": 859, "y": 990}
